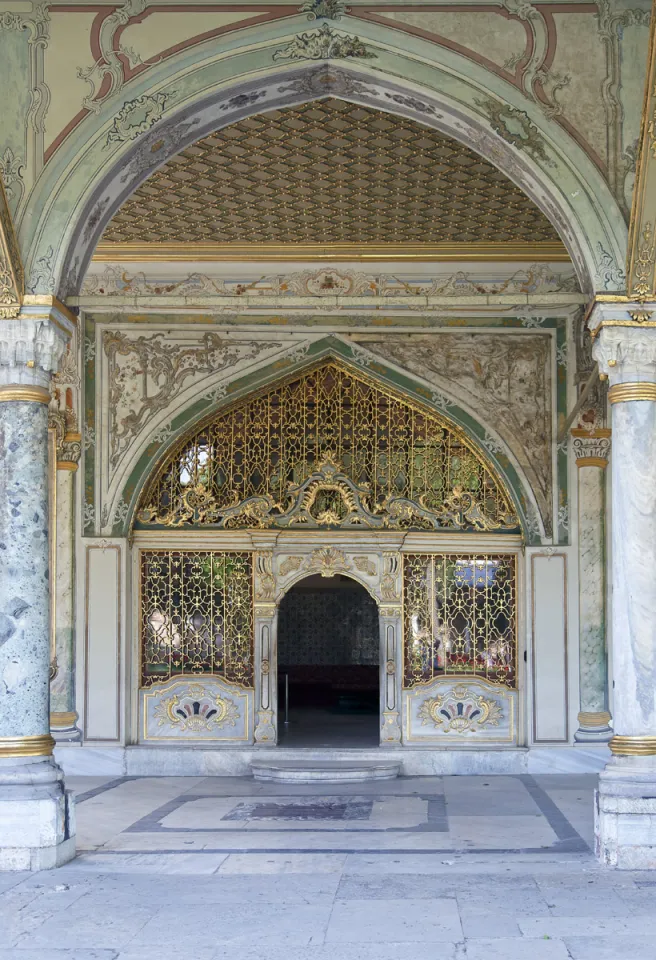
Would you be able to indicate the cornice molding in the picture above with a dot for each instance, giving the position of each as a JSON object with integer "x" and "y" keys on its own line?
{"x": 333, "y": 252}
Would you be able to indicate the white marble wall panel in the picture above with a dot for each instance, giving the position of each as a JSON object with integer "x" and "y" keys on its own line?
{"x": 549, "y": 651}
{"x": 196, "y": 710}
{"x": 102, "y": 631}
{"x": 461, "y": 710}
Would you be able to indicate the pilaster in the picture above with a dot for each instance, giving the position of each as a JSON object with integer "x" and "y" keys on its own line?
{"x": 591, "y": 449}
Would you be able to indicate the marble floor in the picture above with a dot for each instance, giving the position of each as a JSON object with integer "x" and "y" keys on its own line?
{"x": 428, "y": 868}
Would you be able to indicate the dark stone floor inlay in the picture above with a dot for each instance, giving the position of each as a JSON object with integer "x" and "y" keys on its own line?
{"x": 314, "y": 808}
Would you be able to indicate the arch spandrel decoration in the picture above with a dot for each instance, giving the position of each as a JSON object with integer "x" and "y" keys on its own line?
{"x": 326, "y": 449}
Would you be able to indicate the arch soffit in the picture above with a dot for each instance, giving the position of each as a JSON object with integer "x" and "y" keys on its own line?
{"x": 126, "y": 497}
{"x": 104, "y": 161}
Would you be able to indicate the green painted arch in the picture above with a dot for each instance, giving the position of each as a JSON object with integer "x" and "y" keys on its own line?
{"x": 186, "y": 420}
{"x": 203, "y": 89}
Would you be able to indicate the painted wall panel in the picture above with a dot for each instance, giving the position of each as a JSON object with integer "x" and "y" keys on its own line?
{"x": 549, "y": 648}
{"x": 102, "y": 702}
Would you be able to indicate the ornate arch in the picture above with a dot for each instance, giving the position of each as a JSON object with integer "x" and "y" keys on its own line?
{"x": 329, "y": 447}
{"x": 110, "y": 154}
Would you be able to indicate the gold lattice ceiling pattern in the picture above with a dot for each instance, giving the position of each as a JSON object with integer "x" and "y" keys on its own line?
{"x": 328, "y": 172}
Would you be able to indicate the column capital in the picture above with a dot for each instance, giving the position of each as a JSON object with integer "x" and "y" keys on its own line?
{"x": 591, "y": 447}
{"x": 624, "y": 339}
{"x": 32, "y": 345}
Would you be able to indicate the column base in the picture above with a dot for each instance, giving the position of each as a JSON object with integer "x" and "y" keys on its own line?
{"x": 37, "y": 815}
{"x": 63, "y": 727}
{"x": 594, "y": 728}
{"x": 625, "y": 813}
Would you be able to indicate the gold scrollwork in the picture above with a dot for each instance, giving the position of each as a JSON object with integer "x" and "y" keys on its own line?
{"x": 328, "y": 449}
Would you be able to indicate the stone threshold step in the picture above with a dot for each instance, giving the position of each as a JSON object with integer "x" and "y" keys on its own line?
{"x": 324, "y": 772}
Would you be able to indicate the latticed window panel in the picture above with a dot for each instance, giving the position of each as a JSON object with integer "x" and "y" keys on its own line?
{"x": 460, "y": 617}
{"x": 196, "y": 615}
{"x": 385, "y": 462}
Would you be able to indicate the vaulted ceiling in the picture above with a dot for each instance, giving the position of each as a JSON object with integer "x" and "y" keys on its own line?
{"x": 328, "y": 172}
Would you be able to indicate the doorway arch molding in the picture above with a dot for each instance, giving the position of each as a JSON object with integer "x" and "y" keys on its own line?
{"x": 374, "y": 562}
{"x": 104, "y": 160}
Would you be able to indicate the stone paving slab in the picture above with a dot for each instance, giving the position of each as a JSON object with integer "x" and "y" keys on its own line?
{"x": 414, "y": 887}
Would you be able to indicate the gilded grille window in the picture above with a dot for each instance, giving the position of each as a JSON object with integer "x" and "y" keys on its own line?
{"x": 459, "y": 616}
{"x": 329, "y": 448}
{"x": 196, "y": 615}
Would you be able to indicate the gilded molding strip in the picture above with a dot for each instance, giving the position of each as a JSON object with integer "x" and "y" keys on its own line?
{"x": 623, "y": 392}
{"x": 63, "y": 720}
{"x": 600, "y": 462}
{"x": 333, "y": 252}
{"x": 633, "y": 746}
{"x": 599, "y": 719}
{"x": 641, "y": 251}
{"x": 38, "y": 746}
{"x": 24, "y": 394}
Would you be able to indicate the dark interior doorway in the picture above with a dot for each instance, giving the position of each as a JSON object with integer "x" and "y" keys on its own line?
{"x": 329, "y": 657}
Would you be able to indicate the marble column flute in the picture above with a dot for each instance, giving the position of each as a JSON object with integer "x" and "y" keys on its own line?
{"x": 591, "y": 450}
{"x": 37, "y": 824}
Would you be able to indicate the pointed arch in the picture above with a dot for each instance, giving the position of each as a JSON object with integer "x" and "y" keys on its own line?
{"x": 327, "y": 447}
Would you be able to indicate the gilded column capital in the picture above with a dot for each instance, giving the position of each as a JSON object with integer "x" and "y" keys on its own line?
{"x": 591, "y": 447}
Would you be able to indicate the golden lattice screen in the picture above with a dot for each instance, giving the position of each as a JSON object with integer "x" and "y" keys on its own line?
{"x": 460, "y": 617}
{"x": 196, "y": 615}
{"x": 327, "y": 448}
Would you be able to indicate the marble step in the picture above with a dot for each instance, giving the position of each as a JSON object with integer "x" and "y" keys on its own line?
{"x": 316, "y": 771}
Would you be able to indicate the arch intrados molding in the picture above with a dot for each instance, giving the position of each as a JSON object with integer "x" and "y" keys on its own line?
{"x": 276, "y": 88}
{"x": 282, "y": 592}
{"x": 326, "y": 354}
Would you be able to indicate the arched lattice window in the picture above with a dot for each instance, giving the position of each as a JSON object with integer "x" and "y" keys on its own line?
{"x": 329, "y": 448}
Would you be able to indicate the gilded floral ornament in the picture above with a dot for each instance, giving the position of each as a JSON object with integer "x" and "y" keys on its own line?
{"x": 195, "y": 710}
{"x": 325, "y": 560}
{"x": 460, "y": 711}
{"x": 324, "y": 44}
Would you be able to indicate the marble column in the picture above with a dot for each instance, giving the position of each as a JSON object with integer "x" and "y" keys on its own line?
{"x": 37, "y": 826}
{"x": 626, "y": 803}
{"x": 63, "y": 715}
{"x": 591, "y": 451}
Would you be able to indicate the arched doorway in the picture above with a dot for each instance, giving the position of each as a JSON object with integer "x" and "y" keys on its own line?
{"x": 328, "y": 664}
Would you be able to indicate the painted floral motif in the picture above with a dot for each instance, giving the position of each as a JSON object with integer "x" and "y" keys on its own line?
{"x": 324, "y": 44}
{"x": 136, "y": 117}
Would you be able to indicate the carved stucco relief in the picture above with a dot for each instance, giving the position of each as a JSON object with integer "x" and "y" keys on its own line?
{"x": 507, "y": 377}
{"x": 147, "y": 374}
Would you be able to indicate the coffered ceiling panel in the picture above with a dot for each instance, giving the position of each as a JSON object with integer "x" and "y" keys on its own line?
{"x": 328, "y": 172}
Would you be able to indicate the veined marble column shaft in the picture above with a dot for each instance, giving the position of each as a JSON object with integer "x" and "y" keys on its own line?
{"x": 626, "y": 808}
{"x": 63, "y": 715}
{"x": 591, "y": 452}
{"x": 37, "y": 826}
